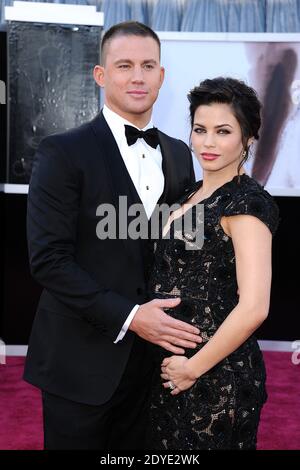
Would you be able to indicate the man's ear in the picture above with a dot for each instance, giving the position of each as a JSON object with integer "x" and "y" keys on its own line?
{"x": 162, "y": 76}
{"x": 99, "y": 73}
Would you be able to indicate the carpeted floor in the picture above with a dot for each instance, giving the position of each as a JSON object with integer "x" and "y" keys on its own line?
{"x": 21, "y": 412}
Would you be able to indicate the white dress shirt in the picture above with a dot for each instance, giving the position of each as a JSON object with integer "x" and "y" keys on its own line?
{"x": 144, "y": 165}
{"x": 143, "y": 162}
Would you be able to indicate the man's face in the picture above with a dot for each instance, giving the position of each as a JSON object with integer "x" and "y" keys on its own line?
{"x": 131, "y": 76}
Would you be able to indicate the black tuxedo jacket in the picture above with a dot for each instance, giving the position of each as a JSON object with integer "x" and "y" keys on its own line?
{"x": 90, "y": 285}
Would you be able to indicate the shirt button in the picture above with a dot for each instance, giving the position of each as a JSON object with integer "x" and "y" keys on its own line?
{"x": 147, "y": 187}
{"x": 143, "y": 156}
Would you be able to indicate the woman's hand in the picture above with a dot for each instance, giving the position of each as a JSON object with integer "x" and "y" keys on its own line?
{"x": 176, "y": 371}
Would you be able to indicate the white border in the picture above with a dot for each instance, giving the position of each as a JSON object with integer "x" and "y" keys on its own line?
{"x": 230, "y": 37}
{"x": 186, "y": 36}
{"x": 14, "y": 188}
{"x": 23, "y": 189}
{"x": 16, "y": 350}
{"x": 44, "y": 6}
{"x": 283, "y": 192}
{"x": 238, "y": 37}
{"x": 282, "y": 346}
{"x": 54, "y": 13}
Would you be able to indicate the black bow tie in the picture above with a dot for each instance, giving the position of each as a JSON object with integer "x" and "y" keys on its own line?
{"x": 150, "y": 136}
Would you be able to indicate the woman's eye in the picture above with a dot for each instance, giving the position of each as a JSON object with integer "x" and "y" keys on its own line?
{"x": 200, "y": 130}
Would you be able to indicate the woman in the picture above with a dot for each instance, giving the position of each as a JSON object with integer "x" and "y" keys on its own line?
{"x": 212, "y": 399}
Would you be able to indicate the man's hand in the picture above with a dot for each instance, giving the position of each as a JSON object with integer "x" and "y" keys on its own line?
{"x": 154, "y": 325}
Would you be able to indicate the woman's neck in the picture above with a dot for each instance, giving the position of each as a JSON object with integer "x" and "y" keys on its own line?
{"x": 216, "y": 179}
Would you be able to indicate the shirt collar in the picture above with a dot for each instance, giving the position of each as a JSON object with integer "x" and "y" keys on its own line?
{"x": 117, "y": 123}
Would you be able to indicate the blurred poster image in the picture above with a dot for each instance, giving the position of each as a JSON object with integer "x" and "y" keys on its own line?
{"x": 51, "y": 86}
{"x": 275, "y": 74}
{"x": 272, "y": 67}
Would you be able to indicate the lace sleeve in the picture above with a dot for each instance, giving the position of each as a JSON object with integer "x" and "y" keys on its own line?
{"x": 260, "y": 204}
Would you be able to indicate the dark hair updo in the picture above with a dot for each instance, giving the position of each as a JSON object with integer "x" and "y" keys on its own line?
{"x": 242, "y": 99}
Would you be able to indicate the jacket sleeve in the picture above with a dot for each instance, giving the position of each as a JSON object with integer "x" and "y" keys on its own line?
{"x": 52, "y": 213}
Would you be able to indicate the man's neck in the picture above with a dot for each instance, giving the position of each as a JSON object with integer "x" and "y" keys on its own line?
{"x": 138, "y": 120}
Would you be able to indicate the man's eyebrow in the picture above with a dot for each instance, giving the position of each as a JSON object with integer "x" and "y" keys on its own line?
{"x": 150, "y": 61}
{"x": 129, "y": 61}
{"x": 122, "y": 60}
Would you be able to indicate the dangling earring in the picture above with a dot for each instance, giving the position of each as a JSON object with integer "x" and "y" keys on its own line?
{"x": 243, "y": 156}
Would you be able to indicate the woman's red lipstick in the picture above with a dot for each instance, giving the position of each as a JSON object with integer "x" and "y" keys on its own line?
{"x": 209, "y": 156}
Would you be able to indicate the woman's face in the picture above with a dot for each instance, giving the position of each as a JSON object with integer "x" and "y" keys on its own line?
{"x": 217, "y": 138}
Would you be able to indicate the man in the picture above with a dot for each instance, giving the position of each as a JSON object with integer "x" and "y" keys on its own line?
{"x": 87, "y": 351}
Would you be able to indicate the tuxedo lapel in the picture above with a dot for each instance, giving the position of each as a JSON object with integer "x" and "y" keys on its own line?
{"x": 121, "y": 182}
{"x": 119, "y": 179}
{"x": 168, "y": 168}
{"x": 122, "y": 185}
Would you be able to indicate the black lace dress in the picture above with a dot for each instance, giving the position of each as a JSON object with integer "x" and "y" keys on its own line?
{"x": 222, "y": 409}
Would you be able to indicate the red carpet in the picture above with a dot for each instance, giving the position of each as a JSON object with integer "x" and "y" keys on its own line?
{"x": 21, "y": 412}
{"x": 280, "y": 421}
